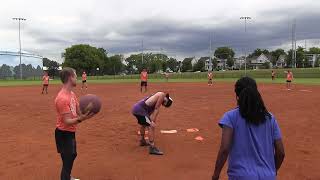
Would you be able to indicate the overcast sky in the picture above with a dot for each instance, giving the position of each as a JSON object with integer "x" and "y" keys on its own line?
{"x": 180, "y": 27}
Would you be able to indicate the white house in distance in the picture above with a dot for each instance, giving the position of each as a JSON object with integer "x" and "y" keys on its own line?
{"x": 208, "y": 65}
{"x": 258, "y": 61}
{"x": 281, "y": 62}
{"x": 312, "y": 58}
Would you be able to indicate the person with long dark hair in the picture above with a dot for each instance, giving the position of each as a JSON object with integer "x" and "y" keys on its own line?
{"x": 251, "y": 137}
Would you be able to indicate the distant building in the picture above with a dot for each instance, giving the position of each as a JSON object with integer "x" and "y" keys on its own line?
{"x": 239, "y": 62}
{"x": 281, "y": 62}
{"x": 258, "y": 62}
{"x": 312, "y": 59}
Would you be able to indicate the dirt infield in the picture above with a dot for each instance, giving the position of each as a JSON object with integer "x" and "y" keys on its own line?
{"x": 108, "y": 144}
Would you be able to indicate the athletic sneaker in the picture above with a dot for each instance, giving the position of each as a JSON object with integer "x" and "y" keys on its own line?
{"x": 155, "y": 151}
{"x": 143, "y": 142}
{"x": 72, "y": 178}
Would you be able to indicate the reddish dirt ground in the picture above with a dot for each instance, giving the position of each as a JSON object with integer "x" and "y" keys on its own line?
{"x": 108, "y": 144}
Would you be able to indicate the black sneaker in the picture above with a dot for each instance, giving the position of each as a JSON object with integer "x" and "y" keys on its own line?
{"x": 144, "y": 143}
{"x": 155, "y": 151}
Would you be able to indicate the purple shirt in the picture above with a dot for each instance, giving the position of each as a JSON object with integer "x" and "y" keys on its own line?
{"x": 252, "y": 151}
{"x": 142, "y": 109}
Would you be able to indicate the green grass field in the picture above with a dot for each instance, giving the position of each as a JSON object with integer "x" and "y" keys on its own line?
{"x": 305, "y": 81}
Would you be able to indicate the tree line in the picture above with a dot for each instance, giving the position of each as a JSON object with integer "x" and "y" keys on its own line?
{"x": 97, "y": 61}
{"x": 7, "y": 72}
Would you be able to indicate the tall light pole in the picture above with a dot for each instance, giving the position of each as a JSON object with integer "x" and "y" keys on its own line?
{"x": 245, "y": 52}
{"x": 142, "y": 51}
{"x": 20, "y": 19}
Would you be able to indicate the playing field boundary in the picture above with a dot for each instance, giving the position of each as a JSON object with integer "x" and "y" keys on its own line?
{"x": 304, "y": 81}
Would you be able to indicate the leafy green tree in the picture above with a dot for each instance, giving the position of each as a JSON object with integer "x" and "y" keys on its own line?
{"x": 116, "y": 64}
{"x": 173, "y": 64}
{"x": 83, "y": 57}
{"x": 224, "y": 53}
{"x": 314, "y": 50}
{"x": 300, "y": 56}
{"x": 230, "y": 62}
{"x": 200, "y": 65}
{"x": 53, "y": 67}
{"x": 5, "y": 71}
{"x": 276, "y": 54}
{"x": 186, "y": 65}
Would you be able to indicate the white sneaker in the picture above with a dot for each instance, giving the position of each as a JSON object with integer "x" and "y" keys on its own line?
{"x": 72, "y": 178}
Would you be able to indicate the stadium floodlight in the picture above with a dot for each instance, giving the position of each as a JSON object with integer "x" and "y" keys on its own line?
{"x": 245, "y": 18}
{"x": 20, "y": 19}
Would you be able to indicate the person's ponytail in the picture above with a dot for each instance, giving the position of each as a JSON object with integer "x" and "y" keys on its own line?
{"x": 250, "y": 102}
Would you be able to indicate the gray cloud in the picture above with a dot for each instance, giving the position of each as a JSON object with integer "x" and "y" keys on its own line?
{"x": 182, "y": 30}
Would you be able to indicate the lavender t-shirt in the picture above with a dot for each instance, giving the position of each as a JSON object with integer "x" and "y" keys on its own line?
{"x": 252, "y": 151}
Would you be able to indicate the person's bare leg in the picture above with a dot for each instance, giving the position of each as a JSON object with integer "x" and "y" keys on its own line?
{"x": 46, "y": 89}
{"x": 153, "y": 149}
{"x": 42, "y": 89}
{"x": 143, "y": 141}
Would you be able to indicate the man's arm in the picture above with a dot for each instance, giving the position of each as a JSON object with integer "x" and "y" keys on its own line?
{"x": 226, "y": 141}
{"x": 279, "y": 153}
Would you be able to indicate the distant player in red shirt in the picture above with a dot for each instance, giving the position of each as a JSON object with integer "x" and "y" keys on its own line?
{"x": 210, "y": 78}
{"x": 84, "y": 80}
{"x": 273, "y": 75}
{"x": 68, "y": 116}
{"x": 289, "y": 79}
{"x": 45, "y": 82}
{"x": 144, "y": 80}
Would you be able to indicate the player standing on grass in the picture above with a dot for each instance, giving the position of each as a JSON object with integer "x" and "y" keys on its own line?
{"x": 45, "y": 82}
{"x": 250, "y": 137}
{"x": 210, "y": 77}
{"x": 273, "y": 75}
{"x": 84, "y": 80}
{"x": 144, "y": 80}
{"x": 289, "y": 79}
{"x": 146, "y": 111}
{"x": 68, "y": 116}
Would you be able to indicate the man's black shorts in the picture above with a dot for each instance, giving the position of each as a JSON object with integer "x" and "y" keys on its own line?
{"x": 144, "y": 83}
{"x": 65, "y": 142}
{"x": 46, "y": 85}
{"x": 84, "y": 81}
{"x": 288, "y": 81}
{"x": 143, "y": 120}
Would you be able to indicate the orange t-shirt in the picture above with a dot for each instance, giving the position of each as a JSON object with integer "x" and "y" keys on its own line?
{"x": 84, "y": 77}
{"x": 289, "y": 76}
{"x": 210, "y": 75}
{"x": 144, "y": 76}
{"x": 66, "y": 102}
{"x": 45, "y": 80}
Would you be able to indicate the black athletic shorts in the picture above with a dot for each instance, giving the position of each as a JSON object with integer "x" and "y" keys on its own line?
{"x": 143, "y": 120}
{"x": 65, "y": 142}
{"x": 84, "y": 81}
{"x": 144, "y": 83}
{"x": 46, "y": 85}
{"x": 288, "y": 81}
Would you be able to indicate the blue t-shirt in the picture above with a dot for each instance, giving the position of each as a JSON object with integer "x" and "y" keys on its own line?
{"x": 252, "y": 151}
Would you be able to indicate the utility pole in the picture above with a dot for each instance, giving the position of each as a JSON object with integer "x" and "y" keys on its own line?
{"x": 294, "y": 45}
{"x": 20, "y": 19}
{"x": 210, "y": 60}
{"x": 245, "y": 52}
{"x": 142, "y": 51}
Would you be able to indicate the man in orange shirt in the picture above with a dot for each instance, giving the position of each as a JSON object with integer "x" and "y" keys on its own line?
{"x": 210, "y": 77}
{"x": 289, "y": 79}
{"x": 45, "y": 82}
{"x": 68, "y": 116}
{"x": 144, "y": 80}
{"x": 84, "y": 80}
